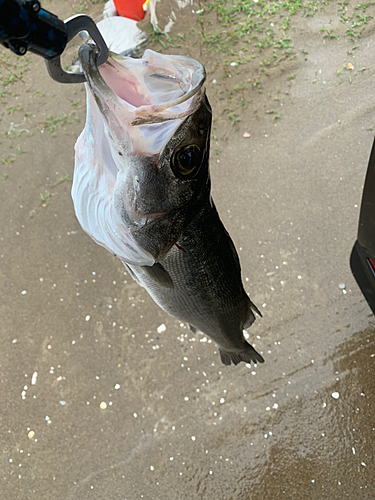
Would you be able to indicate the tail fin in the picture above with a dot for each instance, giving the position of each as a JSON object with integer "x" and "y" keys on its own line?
{"x": 247, "y": 355}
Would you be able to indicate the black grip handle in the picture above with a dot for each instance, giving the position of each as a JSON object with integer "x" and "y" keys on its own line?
{"x": 24, "y": 26}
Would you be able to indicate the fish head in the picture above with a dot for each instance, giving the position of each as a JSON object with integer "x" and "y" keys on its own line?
{"x": 143, "y": 153}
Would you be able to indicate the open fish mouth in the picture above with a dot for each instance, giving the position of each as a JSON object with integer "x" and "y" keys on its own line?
{"x": 132, "y": 93}
{"x": 134, "y": 106}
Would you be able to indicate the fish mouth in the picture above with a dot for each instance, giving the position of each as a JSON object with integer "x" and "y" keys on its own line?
{"x": 143, "y": 99}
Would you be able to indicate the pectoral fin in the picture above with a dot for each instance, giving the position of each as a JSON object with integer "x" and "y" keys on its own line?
{"x": 158, "y": 274}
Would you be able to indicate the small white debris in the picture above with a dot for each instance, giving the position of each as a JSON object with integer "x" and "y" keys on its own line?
{"x": 171, "y": 458}
{"x": 193, "y": 438}
{"x": 363, "y": 463}
{"x": 24, "y": 292}
{"x": 33, "y": 378}
{"x": 275, "y": 406}
{"x": 341, "y": 286}
{"x": 88, "y": 317}
{"x": 103, "y": 405}
{"x": 234, "y": 63}
{"x": 31, "y": 434}
{"x": 63, "y": 403}
{"x": 135, "y": 415}
{"x": 152, "y": 467}
{"x": 161, "y": 328}
{"x": 335, "y": 395}
{"x": 222, "y": 400}
{"x": 117, "y": 386}
{"x": 14, "y": 341}
{"x": 353, "y": 450}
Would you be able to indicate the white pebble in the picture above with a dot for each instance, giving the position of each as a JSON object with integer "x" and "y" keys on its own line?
{"x": 103, "y": 405}
{"x": 161, "y": 328}
{"x": 88, "y": 317}
{"x": 33, "y": 379}
{"x": 24, "y": 292}
{"x": 193, "y": 438}
{"x": 117, "y": 386}
{"x": 335, "y": 395}
{"x": 341, "y": 286}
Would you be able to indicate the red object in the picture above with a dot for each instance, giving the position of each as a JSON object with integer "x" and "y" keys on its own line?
{"x": 132, "y": 9}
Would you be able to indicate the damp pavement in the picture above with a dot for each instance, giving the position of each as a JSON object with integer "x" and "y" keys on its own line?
{"x": 104, "y": 396}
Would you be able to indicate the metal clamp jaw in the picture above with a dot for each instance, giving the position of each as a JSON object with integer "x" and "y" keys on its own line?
{"x": 73, "y": 26}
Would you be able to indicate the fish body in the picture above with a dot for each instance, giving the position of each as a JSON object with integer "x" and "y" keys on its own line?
{"x": 150, "y": 186}
{"x": 199, "y": 281}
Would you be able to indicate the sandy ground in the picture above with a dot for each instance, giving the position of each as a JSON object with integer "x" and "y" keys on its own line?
{"x": 78, "y": 334}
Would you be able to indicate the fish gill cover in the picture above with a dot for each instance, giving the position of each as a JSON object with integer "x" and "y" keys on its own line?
{"x": 134, "y": 106}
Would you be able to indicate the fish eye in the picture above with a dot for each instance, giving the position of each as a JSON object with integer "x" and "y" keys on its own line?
{"x": 186, "y": 161}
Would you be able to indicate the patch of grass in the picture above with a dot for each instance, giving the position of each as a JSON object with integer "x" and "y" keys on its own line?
{"x": 9, "y": 159}
{"x": 65, "y": 177}
{"x": 45, "y": 197}
{"x": 12, "y": 109}
{"x": 52, "y": 123}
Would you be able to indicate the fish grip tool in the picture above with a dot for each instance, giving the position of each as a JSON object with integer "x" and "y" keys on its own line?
{"x": 26, "y": 26}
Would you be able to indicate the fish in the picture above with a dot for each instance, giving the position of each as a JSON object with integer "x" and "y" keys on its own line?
{"x": 142, "y": 189}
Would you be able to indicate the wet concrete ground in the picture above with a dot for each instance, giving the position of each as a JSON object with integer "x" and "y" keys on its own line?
{"x": 102, "y": 401}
